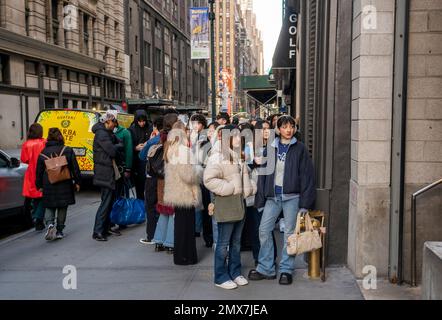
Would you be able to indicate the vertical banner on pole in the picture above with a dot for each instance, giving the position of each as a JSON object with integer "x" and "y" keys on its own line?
{"x": 199, "y": 26}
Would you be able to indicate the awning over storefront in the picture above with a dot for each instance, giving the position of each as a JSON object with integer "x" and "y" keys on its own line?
{"x": 259, "y": 88}
{"x": 150, "y": 105}
{"x": 285, "y": 52}
{"x": 149, "y": 102}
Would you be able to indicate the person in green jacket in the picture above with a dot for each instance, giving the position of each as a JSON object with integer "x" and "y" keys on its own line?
{"x": 123, "y": 135}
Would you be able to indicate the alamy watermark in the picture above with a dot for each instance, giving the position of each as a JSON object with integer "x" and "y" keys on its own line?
{"x": 70, "y": 280}
{"x": 369, "y": 18}
{"x": 70, "y": 19}
{"x": 370, "y": 280}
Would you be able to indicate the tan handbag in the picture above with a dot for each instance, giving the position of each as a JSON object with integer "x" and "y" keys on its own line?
{"x": 307, "y": 241}
{"x": 57, "y": 168}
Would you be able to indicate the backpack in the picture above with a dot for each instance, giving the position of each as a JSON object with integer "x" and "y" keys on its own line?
{"x": 155, "y": 161}
{"x": 57, "y": 167}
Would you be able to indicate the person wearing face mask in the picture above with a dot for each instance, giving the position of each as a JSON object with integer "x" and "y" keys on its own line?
{"x": 290, "y": 188}
{"x": 106, "y": 149}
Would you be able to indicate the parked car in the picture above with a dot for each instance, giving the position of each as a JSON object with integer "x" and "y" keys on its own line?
{"x": 12, "y": 173}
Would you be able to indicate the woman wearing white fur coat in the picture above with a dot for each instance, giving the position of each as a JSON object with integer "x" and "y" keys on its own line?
{"x": 182, "y": 191}
{"x": 228, "y": 177}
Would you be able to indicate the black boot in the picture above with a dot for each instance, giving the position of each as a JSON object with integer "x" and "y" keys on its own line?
{"x": 39, "y": 225}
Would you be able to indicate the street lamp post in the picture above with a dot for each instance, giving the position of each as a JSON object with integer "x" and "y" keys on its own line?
{"x": 212, "y": 54}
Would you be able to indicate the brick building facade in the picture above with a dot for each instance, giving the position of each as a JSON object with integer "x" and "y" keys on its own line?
{"x": 55, "y": 53}
{"x": 158, "y": 46}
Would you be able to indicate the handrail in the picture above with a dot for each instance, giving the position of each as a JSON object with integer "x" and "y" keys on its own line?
{"x": 413, "y": 228}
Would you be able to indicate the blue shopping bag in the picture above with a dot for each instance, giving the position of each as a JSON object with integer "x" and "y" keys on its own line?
{"x": 128, "y": 210}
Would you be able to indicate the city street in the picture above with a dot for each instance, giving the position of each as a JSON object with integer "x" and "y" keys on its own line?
{"x": 326, "y": 113}
{"x": 122, "y": 268}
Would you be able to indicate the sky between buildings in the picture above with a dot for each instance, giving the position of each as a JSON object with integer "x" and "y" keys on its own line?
{"x": 269, "y": 21}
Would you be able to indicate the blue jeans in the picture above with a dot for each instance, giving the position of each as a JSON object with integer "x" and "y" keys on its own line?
{"x": 38, "y": 210}
{"x": 214, "y": 230}
{"x": 228, "y": 244}
{"x": 198, "y": 221}
{"x": 164, "y": 231}
{"x": 256, "y": 245}
{"x": 266, "y": 259}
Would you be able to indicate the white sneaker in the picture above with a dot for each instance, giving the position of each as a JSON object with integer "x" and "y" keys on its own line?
{"x": 145, "y": 241}
{"x": 228, "y": 285}
{"x": 50, "y": 233}
{"x": 241, "y": 281}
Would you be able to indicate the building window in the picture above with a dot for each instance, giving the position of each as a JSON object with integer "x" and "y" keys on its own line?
{"x": 175, "y": 9}
{"x": 157, "y": 29}
{"x": 167, "y": 65}
{"x": 51, "y": 72}
{"x": 31, "y": 68}
{"x": 130, "y": 16}
{"x": 157, "y": 60}
{"x": 175, "y": 42}
{"x": 27, "y": 15}
{"x": 174, "y": 69}
{"x": 4, "y": 68}
{"x": 106, "y": 53}
{"x": 166, "y": 35}
{"x": 82, "y": 78}
{"x": 117, "y": 26}
{"x": 147, "y": 55}
{"x": 117, "y": 61}
{"x": 73, "y": 76}
{"x": 64, "y": 74}
{"x": 136, "y": 44}
{"x": 167, "y": 5}
{"x": 55, "y": 22}
{"x": 146, "y": 20}
{"x": 86, "y": 33}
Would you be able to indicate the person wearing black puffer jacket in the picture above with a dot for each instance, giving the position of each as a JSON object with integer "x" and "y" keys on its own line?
{"x": 58, "y": 196}
{"x": 106, "y": 151}
{"x": 140, "y": 131}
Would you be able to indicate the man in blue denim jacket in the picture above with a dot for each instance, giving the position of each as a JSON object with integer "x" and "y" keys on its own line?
{"x": 290, "y": 188}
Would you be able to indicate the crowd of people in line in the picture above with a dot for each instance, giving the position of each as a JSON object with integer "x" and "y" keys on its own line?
{"x": 195, "y": 179}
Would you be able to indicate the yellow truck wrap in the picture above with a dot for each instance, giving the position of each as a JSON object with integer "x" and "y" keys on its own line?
{"x": 76, "y": 127}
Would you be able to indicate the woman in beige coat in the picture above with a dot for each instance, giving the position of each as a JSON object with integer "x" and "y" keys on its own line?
{"x": 227, "y": 174}
{"x": 182, "y": 191}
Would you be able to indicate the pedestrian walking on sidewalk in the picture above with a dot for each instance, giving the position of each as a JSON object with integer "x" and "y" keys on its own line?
{"x": 227, "y": 177}
{"x": 291, "y": 188}
{"x": 57, "y": 196}
{"x": 30, "y": 152}
{"x": 182, "y": 191}
{"x": 106, "y": 150}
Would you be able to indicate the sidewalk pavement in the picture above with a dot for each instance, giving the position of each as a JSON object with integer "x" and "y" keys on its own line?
{"x": 122, "y": 268}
